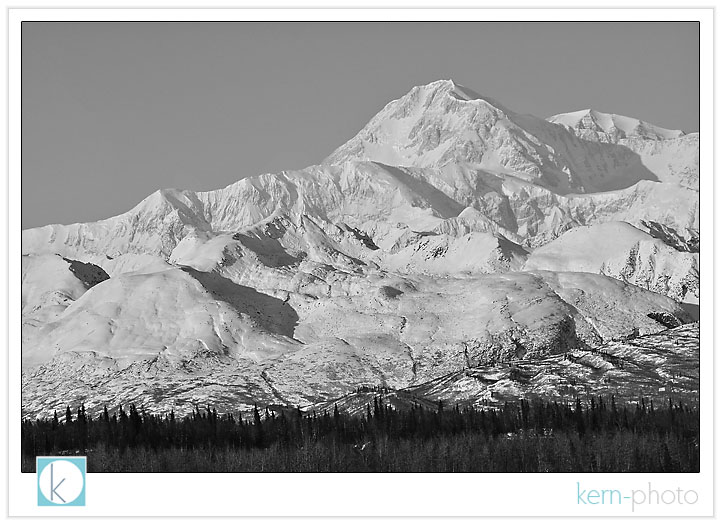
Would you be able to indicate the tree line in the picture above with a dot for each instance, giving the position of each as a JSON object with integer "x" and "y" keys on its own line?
{"x": 591, "y": 435}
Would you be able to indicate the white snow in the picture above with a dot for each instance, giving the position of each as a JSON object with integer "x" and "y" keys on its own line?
{"x": 613, "y": 125}
{"x": 620, "y": 250}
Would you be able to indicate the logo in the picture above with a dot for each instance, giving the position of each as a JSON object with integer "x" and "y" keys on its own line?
{"x": 61, "y": 481}
{"x": 636, "y": 497}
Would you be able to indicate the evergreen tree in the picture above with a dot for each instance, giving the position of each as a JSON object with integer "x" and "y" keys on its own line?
{"x": 258, "y": 437}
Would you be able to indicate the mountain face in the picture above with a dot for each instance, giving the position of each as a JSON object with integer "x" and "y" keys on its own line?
{"x": 672, "y": 155}
{"x": 624, "y": 252}
{"x": 450, "y": 234}
{"x": 593, "y": 125}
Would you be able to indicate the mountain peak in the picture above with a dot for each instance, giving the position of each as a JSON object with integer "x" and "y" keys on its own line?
{"x": 456, "y": 91}
{"x": 591, "y": 124}
{"x": 444, "y": 123}
{"x": 430, "y": 125}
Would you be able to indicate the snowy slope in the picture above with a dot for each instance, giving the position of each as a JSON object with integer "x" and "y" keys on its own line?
{"x": 619, "y": 250}
{"x": 176, "y": 326}
{"x": 50, "y": 284}
{"x": 672, "y": 155}
{"x": 49, "y": 280}
{"x": 172, "y": 313}
{"x": 444, "y": 123}
{"x": 605, "y": 127}
{"x": 381, "y": 201}
{"x": 657, "y": 367}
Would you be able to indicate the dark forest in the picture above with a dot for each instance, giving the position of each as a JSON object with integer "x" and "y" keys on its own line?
{"x": 594, "y": 435}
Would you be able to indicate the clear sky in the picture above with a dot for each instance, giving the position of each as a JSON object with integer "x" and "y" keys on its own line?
{"x": 114, "y": 111}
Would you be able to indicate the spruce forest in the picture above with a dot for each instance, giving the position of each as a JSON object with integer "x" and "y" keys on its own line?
{"x": 595, "y": 435}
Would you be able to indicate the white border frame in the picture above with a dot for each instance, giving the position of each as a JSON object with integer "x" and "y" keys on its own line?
{"x": 361, "y": 494}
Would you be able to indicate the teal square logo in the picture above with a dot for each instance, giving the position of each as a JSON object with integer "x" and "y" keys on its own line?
{"x": 61, "y": 481}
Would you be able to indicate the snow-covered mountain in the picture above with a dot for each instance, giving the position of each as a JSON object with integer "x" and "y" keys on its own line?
{"x": 620, "y": 250}
{"x": 672, "y": 155}
{"x": 594, "y": 125}
{"x": 451, "y": 232}
{"x": 444, "y": 123}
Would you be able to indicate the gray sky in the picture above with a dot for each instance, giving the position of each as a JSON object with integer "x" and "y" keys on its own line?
{"x": 113, "y": 111}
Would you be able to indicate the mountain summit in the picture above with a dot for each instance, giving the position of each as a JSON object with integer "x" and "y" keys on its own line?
{"x": 443, "y": 123}
{"x": 605, "y": 127}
